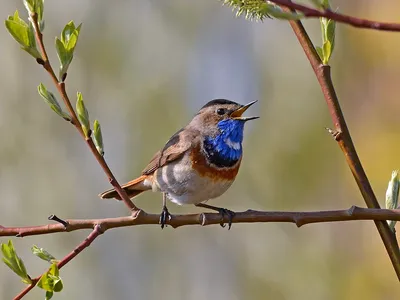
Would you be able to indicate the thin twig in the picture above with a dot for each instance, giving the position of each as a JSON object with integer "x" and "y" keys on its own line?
{"x": 343, "y": 137}
{"x": 97, "y": 230}
{"x": 353, "y": 21}
{"x": 250, "y": 216}
{"x": 62, "y": 91}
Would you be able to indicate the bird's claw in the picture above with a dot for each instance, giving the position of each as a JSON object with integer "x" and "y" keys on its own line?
{"x": 226, "y": 212}
{"x": 165, "y": 216}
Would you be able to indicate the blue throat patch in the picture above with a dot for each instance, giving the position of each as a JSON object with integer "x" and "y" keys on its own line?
{"x": 225, "y": 149}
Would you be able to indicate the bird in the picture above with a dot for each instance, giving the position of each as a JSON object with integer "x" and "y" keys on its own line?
{"x": 198, "y": 163}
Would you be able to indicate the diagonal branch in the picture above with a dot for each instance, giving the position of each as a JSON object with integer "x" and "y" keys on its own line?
{"x": 353, "y": 21}
{"x": 97, "y": 230}
{"x": 60, "y": 85}
{"x": 250, "y": 216}
{"x": 343, "y": 137}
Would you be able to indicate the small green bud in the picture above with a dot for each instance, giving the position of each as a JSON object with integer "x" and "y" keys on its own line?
{"x": 392, "y": 195}
{"x": 328, "y": 40}
{"x": 98, "y": 138}
{"x": 51, "y": 100}
{"x": 65, "y": 46}
{"x": 83, "y": 114}
{"x": 51, "y": 281}
{"x": 43, "y": 254}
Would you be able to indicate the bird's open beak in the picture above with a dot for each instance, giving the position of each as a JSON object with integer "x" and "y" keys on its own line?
{"x": 237, "y": 114}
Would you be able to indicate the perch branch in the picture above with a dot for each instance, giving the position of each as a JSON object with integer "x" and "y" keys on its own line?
{"x": 343, "y": 137}
{"x": 250, "y": 216}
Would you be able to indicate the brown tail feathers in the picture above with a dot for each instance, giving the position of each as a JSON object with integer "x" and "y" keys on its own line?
{"x": 132, "y": 188}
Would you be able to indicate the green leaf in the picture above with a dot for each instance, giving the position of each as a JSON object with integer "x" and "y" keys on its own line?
{"x": 32, "y": 51}
{"x": 66, "y": 45}
{"x": 58, "y": 285}
{"x": 51, "y": 281}
{"x": 29, "y": 5}
{"x": 330, "y": 32}
{"x": 31, "y": 36}
{"x": 18, "y": 29}
{"x": 64, "y": 57}
{"x": 320, "y": 52}
{"x": 43, "y": 254}
{"x": 51, "y": 100}
{"x": 83, "y": 114}
{"x": 35, "y": 6}
{"x": 327, "y": 49}
{"x": 328, "y": 38}
{"x": 61, "y": 52}
{"x": 98, "y": 137}
{"x": 68, "y": 29}
{"x": 69, "y": 35}
{"x": 12, "y": 260}
{"x": 23, "y": 34}
{"x": 73, "y": 39}
{"x": 49, "y": 295}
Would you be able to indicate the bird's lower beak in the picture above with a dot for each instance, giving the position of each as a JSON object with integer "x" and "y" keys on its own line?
{"x": 237, "y": 114}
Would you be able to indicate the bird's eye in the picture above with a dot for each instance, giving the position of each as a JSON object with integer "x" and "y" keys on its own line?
{"x": 221, "y": 111}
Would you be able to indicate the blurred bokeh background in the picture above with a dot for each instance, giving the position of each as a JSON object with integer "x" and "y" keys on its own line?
{"x": 144, "y": 68}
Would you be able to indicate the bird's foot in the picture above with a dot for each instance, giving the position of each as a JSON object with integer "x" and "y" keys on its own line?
{"x": 165, "y": 216}
{"x": 226, "y": 212}
{"x": 222, "y": 211}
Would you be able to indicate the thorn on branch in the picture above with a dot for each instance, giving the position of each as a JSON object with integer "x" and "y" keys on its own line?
{"x": 64, "y": 77}
{"x": 351, "y": 210}
{"x": 336, "y": 134}
{"x": 298, "y": 222}
{"x": 57, "y": 219}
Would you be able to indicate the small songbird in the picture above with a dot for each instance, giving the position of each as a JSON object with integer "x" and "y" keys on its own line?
{"x": 199, "y": 162}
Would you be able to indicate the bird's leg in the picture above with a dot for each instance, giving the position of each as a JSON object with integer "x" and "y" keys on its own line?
{"x": 222, "y": 211}
{"x": 165, "y": 215}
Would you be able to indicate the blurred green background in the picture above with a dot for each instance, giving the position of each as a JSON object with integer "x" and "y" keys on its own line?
{"x": 144, "y": 68}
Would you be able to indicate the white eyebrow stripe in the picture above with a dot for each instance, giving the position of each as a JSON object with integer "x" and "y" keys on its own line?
{"x": 233, "y": 145}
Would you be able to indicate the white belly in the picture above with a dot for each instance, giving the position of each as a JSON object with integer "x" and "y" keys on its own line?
{"x": 183, "y": 185}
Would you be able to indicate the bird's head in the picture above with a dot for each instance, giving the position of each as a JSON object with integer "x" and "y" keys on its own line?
{"x": 219, "y": 114}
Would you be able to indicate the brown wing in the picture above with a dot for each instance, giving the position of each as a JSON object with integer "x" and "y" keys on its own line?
{"x": 176, "y": 146}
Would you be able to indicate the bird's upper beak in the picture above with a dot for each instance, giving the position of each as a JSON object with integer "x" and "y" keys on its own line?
{"x": 237, "y": 114}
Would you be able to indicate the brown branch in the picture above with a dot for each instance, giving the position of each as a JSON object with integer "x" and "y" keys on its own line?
{"x": 97, "y": 230}
{"x": 60, "y": 85}
{"x": 353, "y": 21}
{"x": 99, "y": 226}
{"x": 343, "y": 137}
{"x": 204, "y": 219}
